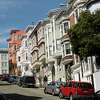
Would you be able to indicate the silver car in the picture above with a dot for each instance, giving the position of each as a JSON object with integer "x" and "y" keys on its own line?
{"x": 53, "y": 87}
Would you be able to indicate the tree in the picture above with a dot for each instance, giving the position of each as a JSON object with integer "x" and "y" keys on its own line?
{"x": 85, "y": 35}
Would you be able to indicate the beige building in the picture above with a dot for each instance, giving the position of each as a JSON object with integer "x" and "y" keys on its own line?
{"x": 38, "y": 52}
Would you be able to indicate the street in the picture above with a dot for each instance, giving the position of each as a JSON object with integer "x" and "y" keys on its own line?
{"x": 14, "y": 92}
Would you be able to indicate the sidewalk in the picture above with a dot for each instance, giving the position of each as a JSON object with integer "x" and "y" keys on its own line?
{"x": 4, "y": 83}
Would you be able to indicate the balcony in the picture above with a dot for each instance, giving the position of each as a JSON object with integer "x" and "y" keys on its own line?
{"x": 41, "y": 40}
{"x": 42, "y": 57}
{"x": 77, "y": 2}
{"x": 57, "y": 54}
{"x": 36, "y": 64}
{"x": 87, "y": 73}
{"x": 35, "y": 48}
{"x": 67, "y": 59}
{"x": 64, "y": 38}
{"x": 51, "y": 59}
{"x": 75, "y": 66}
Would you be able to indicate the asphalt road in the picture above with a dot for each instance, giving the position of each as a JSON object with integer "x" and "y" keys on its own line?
{"x": 14, "y": 92}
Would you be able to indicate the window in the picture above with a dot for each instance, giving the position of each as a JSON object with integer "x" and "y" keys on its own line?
{"x": 19, "y": 37}
{"x": 50, "y": 50}
{"x": 85, "y": 85}
{"x": 4, "y": 64}
{"x": 58, "y": 44}
{"x": 15, "y": 47}
{"x": 4, "y": 56}
{"x": 70, "y": 84}
{"x": 65, "y": 27}
{"x": 61, "y": 28}
{"x": 50, "y": 33}
{"x": 77, "y": 14}
{"x": 18, "y": 58}
{"x": 4, "y": 71}
{"x": 26, "y": 56}
{"x": 49, "y": 30}
{"x": 26, "y": 44}
{"x": 67, "y": 48}
{"x": 63, "y": 50}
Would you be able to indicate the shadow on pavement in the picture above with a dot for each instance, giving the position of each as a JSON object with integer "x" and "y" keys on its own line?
{"x": 2, "y": 84}
{"x": 21, "y": 97}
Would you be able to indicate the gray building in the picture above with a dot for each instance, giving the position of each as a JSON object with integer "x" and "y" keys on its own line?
{"x": 4, "y": 65}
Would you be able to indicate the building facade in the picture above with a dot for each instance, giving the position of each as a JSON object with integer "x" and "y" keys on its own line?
{"x": 4, "y": 65}
{"x": 85, "y": 70}
{"x": 56, "y": 28}
{"x": 35, "y": 52}
{"x": 14, "y": 41}
{"x": 23, "y": 55}
{"x": 38, "y": 52}
{"x": 46, "y": 48}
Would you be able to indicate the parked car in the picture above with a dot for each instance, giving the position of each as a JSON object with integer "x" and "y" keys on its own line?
{"x": 19, "y": 81}
{"x": 53, "y": 87}
{"x": 12, "y": 79}
{"x": 5, "y": 77}
{"x": 73, "y": 89}
{"x": 97, "y": 95}
{"x": 27, "y": 81}
{"x": 1, "y": 77}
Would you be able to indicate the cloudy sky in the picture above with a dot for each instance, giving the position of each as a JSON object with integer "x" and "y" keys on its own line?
{"x": 19, "y": 13}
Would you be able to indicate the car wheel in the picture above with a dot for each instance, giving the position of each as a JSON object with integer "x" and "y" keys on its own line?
{"x": 61, "y": 95}
{"x": 19, "y": 85}
{"x": 71, "y": 97}
{"x": 23, "y": 86}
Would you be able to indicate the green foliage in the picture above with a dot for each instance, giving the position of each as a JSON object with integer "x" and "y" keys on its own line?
{"x": 85, "y": 35}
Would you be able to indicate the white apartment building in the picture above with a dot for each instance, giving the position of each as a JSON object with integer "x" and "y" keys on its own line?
{"x": 55, "y": 29}
{"x": 67, "y": 56}
{"x": 4, "y": 63}
{"x": 87, "y": 69}
{"x": 93, "y": 5}
{"x": 23, "y": 53}
{"x": 50, "y": 45}
{"x": 75, "y": 7}
{"x": 48, "y": 49}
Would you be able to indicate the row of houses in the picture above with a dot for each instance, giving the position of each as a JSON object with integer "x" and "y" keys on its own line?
{"x": 44, "y": 49}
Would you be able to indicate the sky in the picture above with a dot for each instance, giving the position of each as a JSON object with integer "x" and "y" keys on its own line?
{"x": 17, "y": 14}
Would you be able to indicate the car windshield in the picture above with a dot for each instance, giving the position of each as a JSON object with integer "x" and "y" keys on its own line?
{"x": 85, "y": 85}
{"x": 29, "y": 80}
{"x": 14, "y": 77}
{"x": 59, "y": 83}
